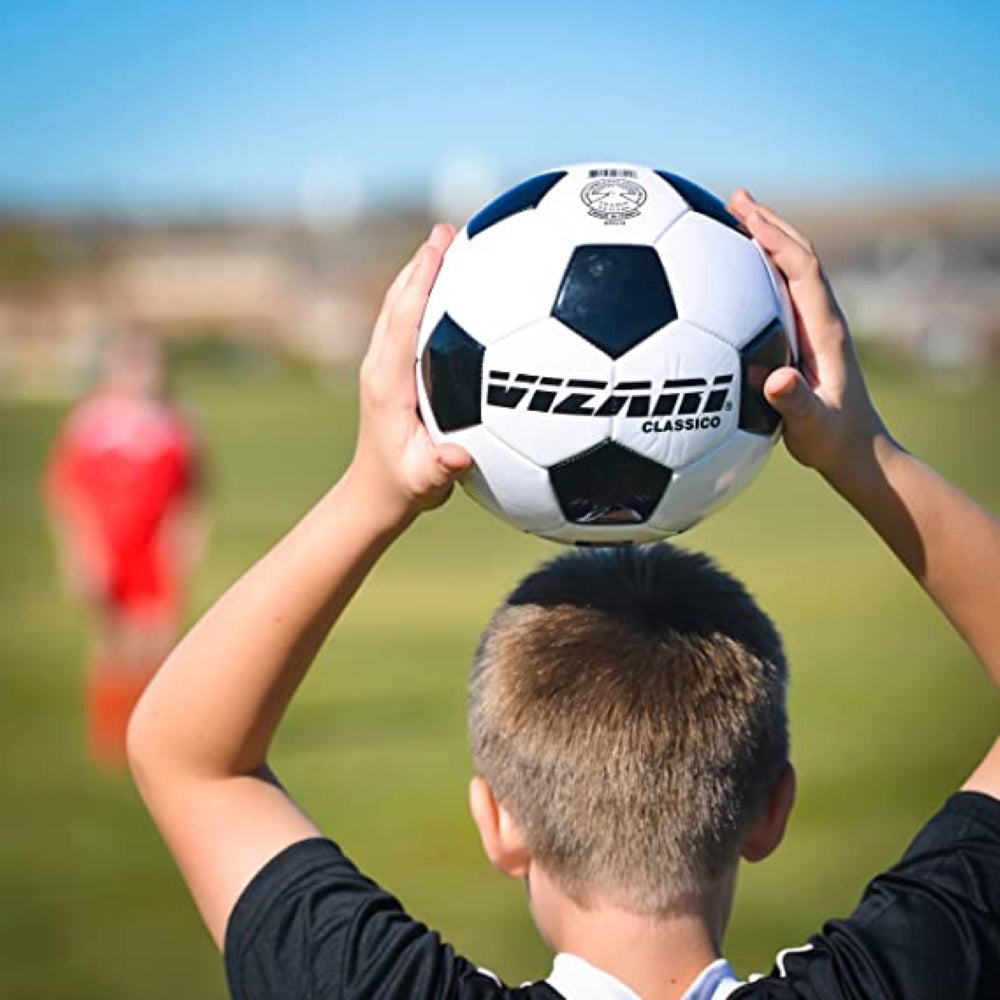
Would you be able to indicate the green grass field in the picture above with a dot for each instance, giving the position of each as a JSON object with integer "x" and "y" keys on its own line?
{"x": 889, "y": 710}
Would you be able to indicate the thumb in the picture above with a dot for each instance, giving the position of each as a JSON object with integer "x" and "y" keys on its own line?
{"x": 448, "y": 461}
{"x": 786, "y": 390}
{"x": 452, "y": 458}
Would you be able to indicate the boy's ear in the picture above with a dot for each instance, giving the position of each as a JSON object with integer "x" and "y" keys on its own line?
{"x": 768, "y": 831}
{"x": 502, "y": 840}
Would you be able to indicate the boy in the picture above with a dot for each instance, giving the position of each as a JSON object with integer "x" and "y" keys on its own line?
{"x": 628, "y": 725}
{"x": 122, "y": 490}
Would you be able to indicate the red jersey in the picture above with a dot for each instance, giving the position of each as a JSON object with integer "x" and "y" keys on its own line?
{"x": 127, "y": 461}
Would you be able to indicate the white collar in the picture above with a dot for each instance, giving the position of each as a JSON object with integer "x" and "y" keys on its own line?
{"x": 576, "y": 979}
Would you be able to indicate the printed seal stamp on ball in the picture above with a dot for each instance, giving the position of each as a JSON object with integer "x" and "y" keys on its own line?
{"x": 614, "y": 199}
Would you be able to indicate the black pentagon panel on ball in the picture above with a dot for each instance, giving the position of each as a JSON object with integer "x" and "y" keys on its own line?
{"x": 614, "y": 296}
{"x": 703, "y": 202}
{"x": 768, "y": 351}
{"x": 609, "y": 484}
{"x": 526, "y": 195}
{"x": 452, "y": 366}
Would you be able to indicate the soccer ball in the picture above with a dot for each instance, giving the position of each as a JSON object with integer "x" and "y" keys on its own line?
{"x": 598, "y": 338}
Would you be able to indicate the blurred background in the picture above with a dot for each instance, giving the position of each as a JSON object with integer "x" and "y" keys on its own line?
{"x": 241, "y": 181}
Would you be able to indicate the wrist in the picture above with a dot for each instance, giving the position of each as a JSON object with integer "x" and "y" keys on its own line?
{"x": 863, "y": 473}
{"x": 383, "y": 511}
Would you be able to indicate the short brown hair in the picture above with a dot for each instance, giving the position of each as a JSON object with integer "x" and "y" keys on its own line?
{"x": 627, "y": 706}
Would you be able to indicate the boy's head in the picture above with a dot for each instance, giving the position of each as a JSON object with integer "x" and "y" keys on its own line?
{"x": 627, "y": 708}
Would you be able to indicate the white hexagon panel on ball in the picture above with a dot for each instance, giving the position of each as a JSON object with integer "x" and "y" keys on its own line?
{"x": 718, "y": 278}
{"x": 676, "y": 395}
{"x": 501, "y": 279}
{"x": 611, "y": 203}
{"x": 698, "y": 489}
{"x": 508, "y": 484}
{"x": 542, "y": 388}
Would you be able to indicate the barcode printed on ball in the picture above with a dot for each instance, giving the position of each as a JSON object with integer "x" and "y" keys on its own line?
{"x": 612, "y": 172}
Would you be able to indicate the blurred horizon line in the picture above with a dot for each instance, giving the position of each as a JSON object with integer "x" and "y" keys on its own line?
{"x": 210, "y": 209}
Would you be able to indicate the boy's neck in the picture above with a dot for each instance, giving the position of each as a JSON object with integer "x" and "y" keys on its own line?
{"x": 657, "y": 957}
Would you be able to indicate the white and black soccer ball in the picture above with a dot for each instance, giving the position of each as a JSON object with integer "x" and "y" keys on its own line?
{"x": 598, "y": 338}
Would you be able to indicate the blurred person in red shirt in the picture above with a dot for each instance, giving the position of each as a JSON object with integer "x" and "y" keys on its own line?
{"x": 123, "y": 490}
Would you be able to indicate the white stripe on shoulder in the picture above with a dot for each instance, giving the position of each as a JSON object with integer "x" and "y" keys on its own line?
{"x": 780, "y": 959}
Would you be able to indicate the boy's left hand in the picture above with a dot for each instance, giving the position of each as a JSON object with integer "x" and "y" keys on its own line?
{"x": 399, "y": 469}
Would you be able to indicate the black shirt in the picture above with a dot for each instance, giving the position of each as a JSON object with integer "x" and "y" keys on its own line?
{"x": 310, "y": 925}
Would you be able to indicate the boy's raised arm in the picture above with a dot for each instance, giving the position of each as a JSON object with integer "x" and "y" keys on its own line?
{"x": 199, "y": 739}
{"x": 948, "y": 542}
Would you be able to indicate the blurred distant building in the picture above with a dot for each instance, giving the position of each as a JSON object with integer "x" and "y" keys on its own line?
{"x": 49, "y": 347}
{"x": 250, "y": 292}
{"x": 922, "y": 277}
{"x": 280, "y": 288}
{"x": 926, "y": 302}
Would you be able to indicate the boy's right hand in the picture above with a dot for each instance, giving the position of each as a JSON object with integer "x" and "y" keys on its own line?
{"x": 830, "y": 422}
{"x": 948, "y": 542}
{"x": 399, "y": 470}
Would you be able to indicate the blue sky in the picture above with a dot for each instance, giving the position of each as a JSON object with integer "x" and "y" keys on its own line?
{"x": 225, "y": 104}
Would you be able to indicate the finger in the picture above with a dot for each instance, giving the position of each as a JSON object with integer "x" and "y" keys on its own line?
{"x": 744, "y": 204}
{"x": 786, "y": 390}
{"x": 812, "y": 297}
{"x": 794, "y": 260}
{"x": 400, "y": 338}
{"x": 453, "y": 458}
{"x": 441, "y": 236}
{"x": 785, "y": 226}
{"x": 741, "y": 202}
{"x": 449, "y": 461}
{"x": 399, "y": 282}
{"x": 389, "y": 302}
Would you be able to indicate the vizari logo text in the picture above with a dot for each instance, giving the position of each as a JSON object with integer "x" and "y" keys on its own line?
{"x": 684, "y": 404}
